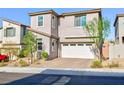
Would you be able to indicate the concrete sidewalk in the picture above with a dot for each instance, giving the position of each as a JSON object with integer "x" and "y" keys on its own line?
{"x": 65, "y": 71}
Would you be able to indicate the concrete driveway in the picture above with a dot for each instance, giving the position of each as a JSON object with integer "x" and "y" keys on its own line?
{"x": 65, "y": 63}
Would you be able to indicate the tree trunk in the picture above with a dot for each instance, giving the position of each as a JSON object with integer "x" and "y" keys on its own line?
{"x": 31, "y": 58}
{"x": 100, "y": 49}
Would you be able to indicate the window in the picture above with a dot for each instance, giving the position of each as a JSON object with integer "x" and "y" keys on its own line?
{"x": 123, "y": 40}
{"x": 72, "y": 44}
{"x": 40, "y": 20}
{"x": 80, "y": 21}
{"x": 80, "y": 44}
{"x": 88, "y": 44}
{"x": 65, "y": 44}
{"x": 9, "y": 32}
{"x": 39, "y": 45}
{"x": 52, "y": 43}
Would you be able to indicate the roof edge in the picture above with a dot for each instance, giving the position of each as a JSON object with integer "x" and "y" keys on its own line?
{"x": 14, "y": 22}
{"x": 118, "y": 15}
{"x": 81, "y": 12}
{"x": 43, "y": 12}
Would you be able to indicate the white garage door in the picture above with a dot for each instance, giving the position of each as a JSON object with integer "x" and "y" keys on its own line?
{"x": 77, "y": 51}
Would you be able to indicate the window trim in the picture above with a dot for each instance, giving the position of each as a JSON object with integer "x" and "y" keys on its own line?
{"x": 38, "y": 21}
{"x": 80, "y": 25}
{"x": 39, "y": 41}
{"x": 5, "y": 32}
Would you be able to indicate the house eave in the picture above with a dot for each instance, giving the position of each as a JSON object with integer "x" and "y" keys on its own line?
{"x": 13, "y": 22}
{"x": 82, "y": 12}
{"x": 118, "y": 15}
{"x": 81, "y": 37}
{"x": 42, "y": 33}
{"x": 43, "y": 12}
{"x": 77, "y": 42}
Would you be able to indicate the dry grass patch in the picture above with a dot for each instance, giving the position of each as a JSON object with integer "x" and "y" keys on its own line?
{"x": 23, "y": 63}
{"x": 96, "y": 64}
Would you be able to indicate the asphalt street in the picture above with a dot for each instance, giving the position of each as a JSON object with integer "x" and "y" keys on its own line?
{"x": 51, "y": 79}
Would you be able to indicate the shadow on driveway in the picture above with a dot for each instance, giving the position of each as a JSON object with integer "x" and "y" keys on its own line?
{"x": 64, "y": 79}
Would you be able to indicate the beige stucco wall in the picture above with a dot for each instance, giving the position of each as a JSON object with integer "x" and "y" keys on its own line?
{"x": 49, "y": 29}
{"x": 11, "y": 40}
{"x": 1, "y": 36}
{"x": 121, "y": 29}
{"x": 23, "y": 28}
{"x": 117, "y": 33}
{"x": 45, "y": 41}
{"x": 47, "y": 23}
{"x": 47, "y": 45}
{"x": 53, "y": 49}
{"x": 115, "y": 52}
{"x": 66, "y": 27}
{"x": 54, "y": 30}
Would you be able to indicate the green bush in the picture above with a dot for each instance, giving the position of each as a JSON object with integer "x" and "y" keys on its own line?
{"x": 2, "y": 64}
{"x": 23, "y": 63}
{"x": 113, "y": 64}
{"x": 96, "y": 64}
{"x": 23, "y": 53}
{"x": 7, "y": 59}
{"x": 44, "y": 55}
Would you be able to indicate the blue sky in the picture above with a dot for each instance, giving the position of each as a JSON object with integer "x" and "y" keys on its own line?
{"x": 21, "y": 14}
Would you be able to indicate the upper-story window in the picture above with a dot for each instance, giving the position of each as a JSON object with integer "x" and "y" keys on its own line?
{"x": 10, "y": 32}
{"x": 80, "y": 21}
{"x": 40, "y": 20}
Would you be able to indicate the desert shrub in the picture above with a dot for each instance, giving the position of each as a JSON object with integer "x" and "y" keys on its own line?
{"x": 2, "y": 63}
{"x": 23, "y": 63}
{"x": 7, "y": 59}
{"x": 96, "y": 64}
{"x": 23, "y": 53}
{"x": 113, "y": 64}
{"x": 44, "y": 55}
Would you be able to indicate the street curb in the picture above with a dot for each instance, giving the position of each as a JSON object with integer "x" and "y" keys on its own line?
{"x": 65, "y": 71}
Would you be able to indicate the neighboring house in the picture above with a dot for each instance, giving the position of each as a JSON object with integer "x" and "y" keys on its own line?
{"x": 116, "y": 50}
{"x": 11, "y": 34}
{"x": 61, "y": 35}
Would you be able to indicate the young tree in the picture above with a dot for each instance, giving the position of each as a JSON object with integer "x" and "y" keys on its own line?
{"x": 29, "y": 41}
{"x": 99, "y": 30}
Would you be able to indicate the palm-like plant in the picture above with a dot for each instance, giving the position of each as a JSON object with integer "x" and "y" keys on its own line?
{"x": 99, "y": 30}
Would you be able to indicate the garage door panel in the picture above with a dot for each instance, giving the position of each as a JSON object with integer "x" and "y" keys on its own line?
{"x": 77, "y": 52}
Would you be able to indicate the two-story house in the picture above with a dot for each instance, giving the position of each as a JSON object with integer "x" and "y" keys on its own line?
{"x": 61, "y": 35}
{"x": 11, "y": 34}
{"x": 75, "y": 41}
{"x": 116, "y": 51}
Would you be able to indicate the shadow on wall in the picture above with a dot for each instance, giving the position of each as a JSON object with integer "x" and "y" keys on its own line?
{"x": 51, "y": 77}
